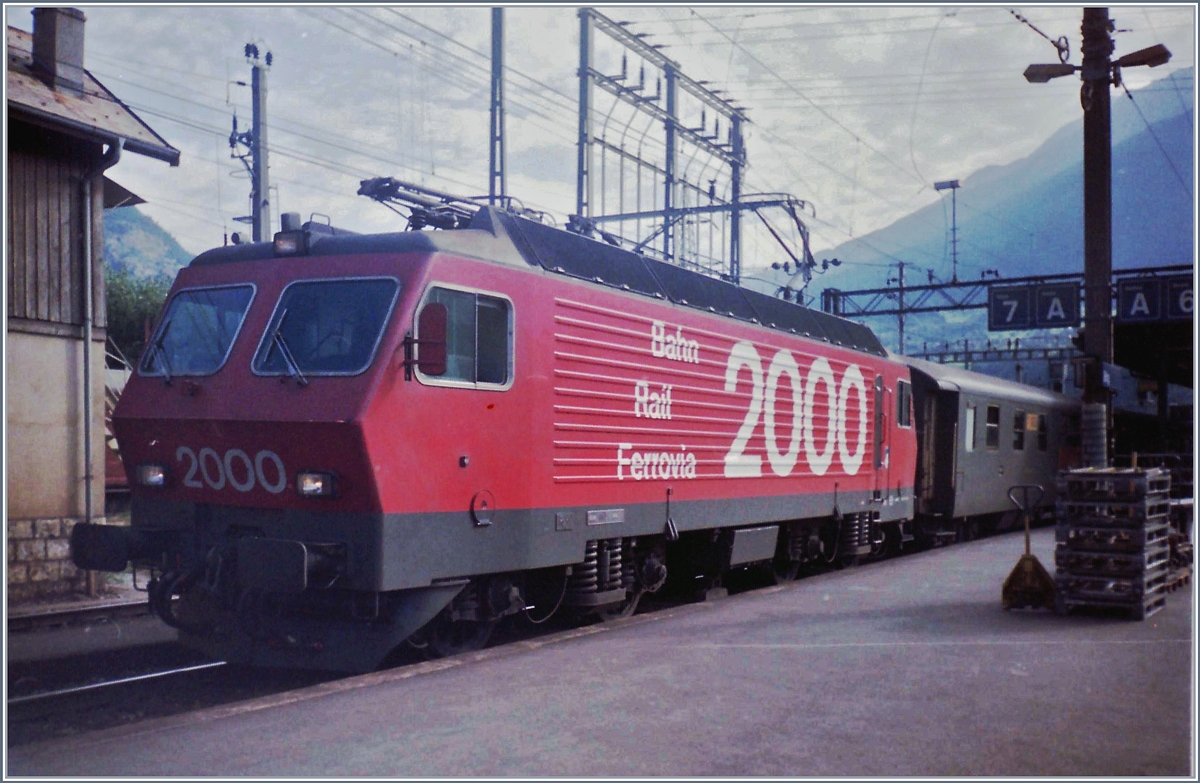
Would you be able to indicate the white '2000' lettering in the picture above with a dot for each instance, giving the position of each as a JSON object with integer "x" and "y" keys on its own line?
{"x": 234, "y": 468}
{"x": 738, "y": 464}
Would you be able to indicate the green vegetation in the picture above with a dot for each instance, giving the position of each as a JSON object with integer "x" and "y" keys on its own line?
{"x": 140, "y": 260}
{"x": 133, "y": 305}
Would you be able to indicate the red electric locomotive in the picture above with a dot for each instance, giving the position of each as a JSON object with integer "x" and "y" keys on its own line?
{"x": 337, "y": 443}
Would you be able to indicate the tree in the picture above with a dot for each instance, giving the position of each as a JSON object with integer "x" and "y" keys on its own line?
{"x": 133, "y": 306}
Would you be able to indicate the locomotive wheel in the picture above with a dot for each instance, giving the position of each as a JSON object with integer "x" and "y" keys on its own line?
{"x": 622, "y": 610}
{"x": 447, "y": 637}
{"x": 881, "y": 549}
{"x": 784, "y": 570}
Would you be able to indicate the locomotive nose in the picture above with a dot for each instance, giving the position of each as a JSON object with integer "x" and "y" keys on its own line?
{"x": 258, "y": 464}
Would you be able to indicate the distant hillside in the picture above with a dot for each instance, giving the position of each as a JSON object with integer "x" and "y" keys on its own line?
{"x": 1026, "y": 218}
{"x": 136, "y": 244}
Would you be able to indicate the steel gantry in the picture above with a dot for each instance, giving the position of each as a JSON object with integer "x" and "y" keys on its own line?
{"x": 963, "y": 295}
{"x": 666, "y": 192}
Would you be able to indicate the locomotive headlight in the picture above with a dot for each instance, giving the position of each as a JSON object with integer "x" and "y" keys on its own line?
{"x": 315, "y": 484}
{"x": 149, "y": 475}
{"x": 291, "y": 243}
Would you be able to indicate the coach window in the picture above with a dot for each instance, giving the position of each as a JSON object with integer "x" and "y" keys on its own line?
{"x": 992, "y": 425}
{"x": 969, "y": 429}
{"x": 1019, "y": 431}
{"x": 904, "y": 404}
{"x": 478, "y": 338}
{"x": 1041, "y": 431}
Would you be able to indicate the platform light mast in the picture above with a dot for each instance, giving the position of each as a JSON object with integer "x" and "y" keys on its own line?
{"x": 952, "y": 186}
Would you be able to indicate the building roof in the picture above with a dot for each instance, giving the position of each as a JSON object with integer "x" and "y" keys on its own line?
{"x": 116, "y": 195}
{"x": 1164, "y": 350}
{"x": 97, "y": 114}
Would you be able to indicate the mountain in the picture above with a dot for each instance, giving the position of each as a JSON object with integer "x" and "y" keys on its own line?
{"x": 136, "y": 244}
{"x": 1026, "y": 218}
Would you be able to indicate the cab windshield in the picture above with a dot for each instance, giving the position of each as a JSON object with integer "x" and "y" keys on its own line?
{"x": 197, "y": 331}
{"x": 326, "y": 327}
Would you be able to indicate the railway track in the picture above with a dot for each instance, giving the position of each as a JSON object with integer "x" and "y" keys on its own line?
{"x": 157, "y": 693}
{"x": 96, "y": 686}
{"x": 60, "y": 617}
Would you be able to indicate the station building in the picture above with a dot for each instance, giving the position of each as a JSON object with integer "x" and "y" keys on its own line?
{"x": 65, "y": 130}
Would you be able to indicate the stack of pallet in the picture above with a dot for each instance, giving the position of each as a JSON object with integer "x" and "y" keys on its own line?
{"x": 1112, "y": 539}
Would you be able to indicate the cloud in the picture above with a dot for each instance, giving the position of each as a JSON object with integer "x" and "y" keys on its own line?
{"x": 854, "y": 109}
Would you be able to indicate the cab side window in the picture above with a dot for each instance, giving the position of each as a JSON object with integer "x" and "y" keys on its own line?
{"x": 491, "y": 336}
{"x": 904, "y": 404}
{"x": 478, "y": 336}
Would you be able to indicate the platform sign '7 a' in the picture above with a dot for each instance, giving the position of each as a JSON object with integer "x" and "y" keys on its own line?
{"x": 1009, "y": 308}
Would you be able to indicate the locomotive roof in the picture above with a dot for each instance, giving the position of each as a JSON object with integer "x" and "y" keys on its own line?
{"x": 956, "y": 379}
{"x": 498, "y": 236}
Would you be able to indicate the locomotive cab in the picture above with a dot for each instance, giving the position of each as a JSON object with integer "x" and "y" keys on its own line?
{"x": 301, "y": 436}
{"x": 243, "y": 431}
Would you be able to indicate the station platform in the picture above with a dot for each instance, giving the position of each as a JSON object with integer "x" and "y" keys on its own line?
{"x": 908, "y": 667}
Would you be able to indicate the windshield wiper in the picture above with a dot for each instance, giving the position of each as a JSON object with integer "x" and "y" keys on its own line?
{"x": 161, "y": 351}
{"x": 286, "y": 352}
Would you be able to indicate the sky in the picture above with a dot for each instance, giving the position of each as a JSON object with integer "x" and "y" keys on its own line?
{"x": 856, "y": 110}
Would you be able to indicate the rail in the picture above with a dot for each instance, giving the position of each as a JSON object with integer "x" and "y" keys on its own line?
{"x": 39, "y": 619}
{"x": 110, "y": 683}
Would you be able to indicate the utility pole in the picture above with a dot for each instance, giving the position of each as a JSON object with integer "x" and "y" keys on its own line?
{"x": 1097, "y": 73}
{"x": 900, "y": 308}
{"x": 1097, "y": 198}
{"x": 260, "y": 195}
{"x": 735, "y": 217}
{"x": 669, "y": 76}
{"x": 583, "y": 197}
{"x": 496, "y": 189}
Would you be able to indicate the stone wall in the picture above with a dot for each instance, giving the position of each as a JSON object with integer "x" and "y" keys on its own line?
{"x": 39, "y": 560}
